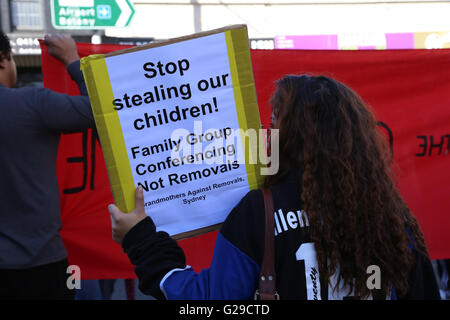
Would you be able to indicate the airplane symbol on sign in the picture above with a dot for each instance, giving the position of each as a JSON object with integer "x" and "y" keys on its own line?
{"x": 104, "y": 11}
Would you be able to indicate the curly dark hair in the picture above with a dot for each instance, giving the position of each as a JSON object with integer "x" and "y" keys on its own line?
{"x": 357, "y": 216}
{"x": 5, "y": 46}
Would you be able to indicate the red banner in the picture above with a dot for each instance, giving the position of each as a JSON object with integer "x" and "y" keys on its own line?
{"x": 409, "y": 91}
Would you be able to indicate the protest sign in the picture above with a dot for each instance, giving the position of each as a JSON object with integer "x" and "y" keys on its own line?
{"x": 174, "y": 117}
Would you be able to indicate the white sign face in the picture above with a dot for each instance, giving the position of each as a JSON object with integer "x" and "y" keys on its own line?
{"x": 176, "y": 107}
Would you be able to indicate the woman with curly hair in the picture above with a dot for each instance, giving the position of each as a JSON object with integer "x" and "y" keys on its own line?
{"x": 337, "y": 214}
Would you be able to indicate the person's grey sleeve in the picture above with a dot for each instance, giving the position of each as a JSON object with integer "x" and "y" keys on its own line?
{"x": 62, "y": 112}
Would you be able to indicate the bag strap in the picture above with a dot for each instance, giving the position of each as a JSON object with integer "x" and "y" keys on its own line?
{"x": 267, "y": 278}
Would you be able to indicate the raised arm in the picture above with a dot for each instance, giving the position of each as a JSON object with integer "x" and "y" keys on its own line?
{"x": 62, "y": 112}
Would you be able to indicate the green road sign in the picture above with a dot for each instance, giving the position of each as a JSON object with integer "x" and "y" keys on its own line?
{"x": 91, "y": 14}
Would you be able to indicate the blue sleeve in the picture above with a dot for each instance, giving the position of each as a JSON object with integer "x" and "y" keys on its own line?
{"x": 232, "y": 275}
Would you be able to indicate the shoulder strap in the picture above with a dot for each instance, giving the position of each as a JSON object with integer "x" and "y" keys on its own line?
{"x": 267, "y": 279}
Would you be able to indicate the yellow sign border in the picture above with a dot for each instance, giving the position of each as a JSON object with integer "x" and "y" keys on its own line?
{"x": 110, "y": 131}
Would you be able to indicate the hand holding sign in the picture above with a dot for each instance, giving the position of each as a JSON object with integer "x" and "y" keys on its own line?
{"x": 121, "y": 223}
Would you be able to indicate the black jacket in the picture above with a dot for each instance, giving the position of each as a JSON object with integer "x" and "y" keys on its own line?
{"x": 233, "y": 274}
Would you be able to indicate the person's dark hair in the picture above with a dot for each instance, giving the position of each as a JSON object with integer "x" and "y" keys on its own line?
{"x": 357, "y": 217}
{"x": 5, "y": 46}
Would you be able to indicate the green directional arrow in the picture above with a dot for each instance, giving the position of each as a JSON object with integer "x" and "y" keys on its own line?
{"x": 91, "y": 14}
{"x": 131, "y": 14}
